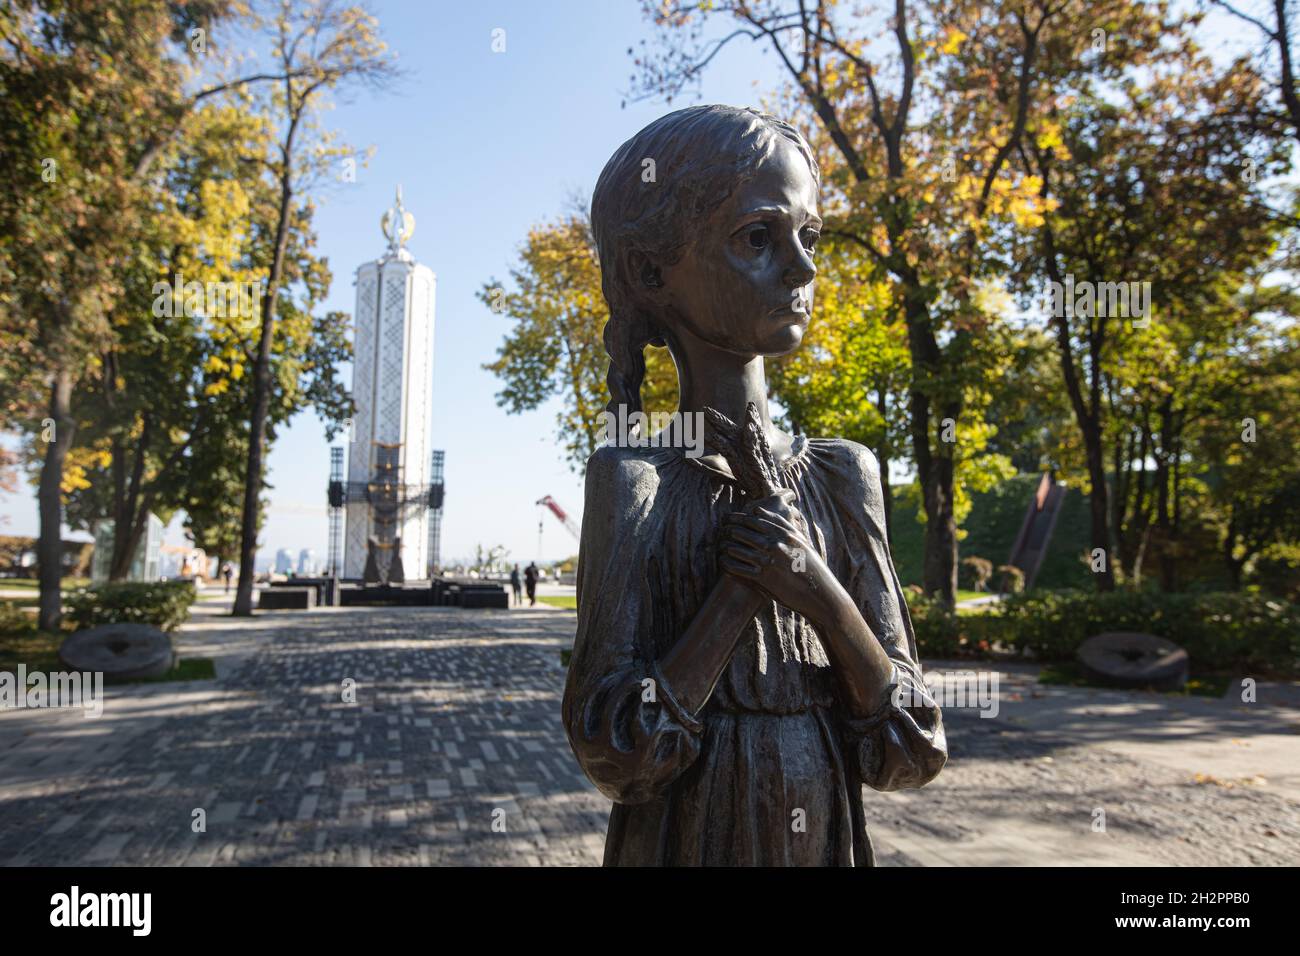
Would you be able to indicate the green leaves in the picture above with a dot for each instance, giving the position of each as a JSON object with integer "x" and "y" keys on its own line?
{"x": 554, "y": 349}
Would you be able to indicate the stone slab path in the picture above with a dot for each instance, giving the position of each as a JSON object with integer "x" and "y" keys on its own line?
{"x": 452, "y": 753}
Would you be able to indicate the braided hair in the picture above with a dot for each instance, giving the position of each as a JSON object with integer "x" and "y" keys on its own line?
{"x": 674, "y": 172}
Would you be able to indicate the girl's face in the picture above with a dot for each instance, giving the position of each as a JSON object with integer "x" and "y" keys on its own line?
{"x": 744, "y": 282}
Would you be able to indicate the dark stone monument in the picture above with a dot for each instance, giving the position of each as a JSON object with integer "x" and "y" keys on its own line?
{"x": 122, "y": 652}
{"x": 396, "y": 573}
{"x": 286, "y": 599}
{"x": 744, "y": 659}
{"x": 370, "y": 574}
{"x": 1134, "y": 660}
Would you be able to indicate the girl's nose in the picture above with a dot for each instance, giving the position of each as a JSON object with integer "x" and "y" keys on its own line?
{"x": 801, "y": 270}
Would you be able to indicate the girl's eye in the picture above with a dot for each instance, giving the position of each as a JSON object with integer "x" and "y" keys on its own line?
{"x": 810, "y": 237}
{"x": 758, "y": 237}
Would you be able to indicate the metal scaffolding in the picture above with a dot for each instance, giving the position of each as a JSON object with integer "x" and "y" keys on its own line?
{"x": 437, "y": 491}
{"x": 336, "y": 513}
{"x": 389, "y": 498}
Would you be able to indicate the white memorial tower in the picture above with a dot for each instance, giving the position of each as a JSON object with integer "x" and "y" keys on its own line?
{"x": 390, "y": 452}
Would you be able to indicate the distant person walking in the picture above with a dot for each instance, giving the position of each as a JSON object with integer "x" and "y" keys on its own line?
{"x": 227, "y": 572}
{"x": 530, "y": 582}
{"x": 515, "y": 586}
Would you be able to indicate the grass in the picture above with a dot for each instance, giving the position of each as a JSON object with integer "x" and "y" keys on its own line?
{"x": 39, "y": 651}
{"x": 189, "y": 668}
{"x": 31, "y": 584}
{"x": 1069, "y": 674}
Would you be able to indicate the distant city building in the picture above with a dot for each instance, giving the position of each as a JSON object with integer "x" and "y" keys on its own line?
{"x": 307, "y": 561}
{"x": 284, "y": 561}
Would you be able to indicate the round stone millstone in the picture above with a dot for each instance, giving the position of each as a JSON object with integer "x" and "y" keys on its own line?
{"x": 1134, "y": 660}
{"x": 120, "y": 651}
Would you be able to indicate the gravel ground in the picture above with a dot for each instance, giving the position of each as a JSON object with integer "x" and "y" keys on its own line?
{"x": 999, "y": 776}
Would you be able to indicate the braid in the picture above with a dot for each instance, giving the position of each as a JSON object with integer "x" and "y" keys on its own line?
{"x": 626, "y": 336}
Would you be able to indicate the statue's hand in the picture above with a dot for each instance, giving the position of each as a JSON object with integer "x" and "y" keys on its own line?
{"x": 768, "y": 545}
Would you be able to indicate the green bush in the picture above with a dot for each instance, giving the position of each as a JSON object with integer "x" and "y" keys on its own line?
{"x": 1013, "y": 579}
{"x": 1277, "y": 570}
{"x": 974, "y": 573}
{"x": 941, "y": 632}
{"x": 165, "y": 605}
{"x": 1219, "y": 630}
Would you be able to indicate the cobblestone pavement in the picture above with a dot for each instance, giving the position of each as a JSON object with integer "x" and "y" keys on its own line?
{"x": 453, "y": 753}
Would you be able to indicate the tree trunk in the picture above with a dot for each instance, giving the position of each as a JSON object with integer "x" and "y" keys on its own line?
{"x": 49, "y": 547}
{"x": 1230, "y": 561}
{"x": 130, "y": 511}
{"x": 256, "y": 447}
{"x": 882, "y": 459}
{"x": 243, "y": 606}
{"x": 1099, "y": 518}
{"x": 939, "y": 566}
{"x": 940, "y": 572}
{"x": 935, "y": 472}
{"x": 1165, "y": 557}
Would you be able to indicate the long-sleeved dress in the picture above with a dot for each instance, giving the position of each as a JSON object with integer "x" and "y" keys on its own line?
{"x": 771, "y": 771}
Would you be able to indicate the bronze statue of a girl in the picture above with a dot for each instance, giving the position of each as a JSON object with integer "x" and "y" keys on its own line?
{"x": 744, "y": 659}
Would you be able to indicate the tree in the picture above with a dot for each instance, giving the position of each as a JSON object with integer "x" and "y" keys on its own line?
{"x": 922, "y": 178}
{"x": 849, "y": 377}
{"x": 1249, "y": 436}
{"x": 1274, "y": 22}
{"x": 318, "y": 46}
{"x": 1150, "y": 197}
{"x": 157, "y": 388}
{"x": 1029, "y": 409}
{"x": 555, "y": 348}
{"x": 78, "y": 84}
{"x": 91, "y": 98}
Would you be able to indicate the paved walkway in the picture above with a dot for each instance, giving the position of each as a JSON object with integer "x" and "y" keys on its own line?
{"x": 453, "y": 753}
{"x": 1072, "y": 776}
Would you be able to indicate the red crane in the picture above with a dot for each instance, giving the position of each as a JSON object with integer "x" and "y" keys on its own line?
{"x": 562, "y": 516}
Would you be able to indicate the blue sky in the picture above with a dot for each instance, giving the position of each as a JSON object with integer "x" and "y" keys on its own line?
{"x": 484, "y": 145}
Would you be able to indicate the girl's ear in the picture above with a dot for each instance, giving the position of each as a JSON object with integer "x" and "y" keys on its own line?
{"x": 647, "y": 274}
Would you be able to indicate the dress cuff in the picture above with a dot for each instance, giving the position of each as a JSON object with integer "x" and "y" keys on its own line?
{"x": 665, "y": 696}
{"x": 888, "y": 707}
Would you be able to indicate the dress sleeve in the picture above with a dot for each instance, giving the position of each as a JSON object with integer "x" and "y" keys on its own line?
{"x": 629, "y": 733}
{"x": 902, "y": 745}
